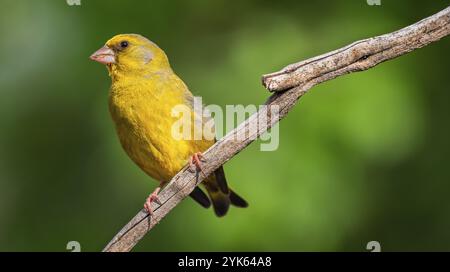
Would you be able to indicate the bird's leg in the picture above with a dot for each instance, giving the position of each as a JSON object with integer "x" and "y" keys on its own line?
{"x": 196, "y": 162}
{"x": 153, "y": 197}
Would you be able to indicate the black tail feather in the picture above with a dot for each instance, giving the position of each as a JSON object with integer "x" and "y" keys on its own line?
{"x": 221, "y": 205}
{"x": 221, "y": 196}
{"x": 200, "y": 197}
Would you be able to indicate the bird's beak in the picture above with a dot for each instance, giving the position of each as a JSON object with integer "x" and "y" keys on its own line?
{"x": 104, "y": 55}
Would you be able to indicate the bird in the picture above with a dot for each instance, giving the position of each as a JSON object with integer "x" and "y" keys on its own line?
{"x": 144, "y": 90}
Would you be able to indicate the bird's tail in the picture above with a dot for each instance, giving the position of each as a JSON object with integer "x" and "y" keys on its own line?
{"x": 222, "y": 196}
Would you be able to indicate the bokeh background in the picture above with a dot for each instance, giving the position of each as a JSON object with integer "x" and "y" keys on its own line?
{"x": 363, "y": 157}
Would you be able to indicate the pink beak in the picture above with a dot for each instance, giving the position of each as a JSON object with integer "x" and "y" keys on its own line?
{"x": 104, "y": 55}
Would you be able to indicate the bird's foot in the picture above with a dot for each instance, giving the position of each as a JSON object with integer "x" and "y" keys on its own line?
{"x": 153, "y": 197}
{"x": 196, "y": 163}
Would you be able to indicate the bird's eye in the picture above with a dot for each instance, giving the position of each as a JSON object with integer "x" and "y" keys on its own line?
{"x": 124, "y": 44}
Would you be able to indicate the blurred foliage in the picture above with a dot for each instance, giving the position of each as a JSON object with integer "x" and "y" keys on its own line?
{"x": 363, "y": 157}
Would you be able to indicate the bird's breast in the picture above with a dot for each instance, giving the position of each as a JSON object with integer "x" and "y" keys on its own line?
{"x": 143, "y": 120}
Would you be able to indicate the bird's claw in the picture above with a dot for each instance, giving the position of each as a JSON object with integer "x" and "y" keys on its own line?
{"x": 196, "y": 163}
{"x": 153, "y": 197}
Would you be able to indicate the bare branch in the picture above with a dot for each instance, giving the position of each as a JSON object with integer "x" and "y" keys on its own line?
{"x": 361, "y": 55}
{"x": 296, "y": 79}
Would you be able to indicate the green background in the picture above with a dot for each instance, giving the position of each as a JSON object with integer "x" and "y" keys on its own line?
{"x": 363, "y": 157}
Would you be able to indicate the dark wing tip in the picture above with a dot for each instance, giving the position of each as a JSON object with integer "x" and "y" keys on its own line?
{"x": 221, "y": 180}
{"x": 237, "y": 200}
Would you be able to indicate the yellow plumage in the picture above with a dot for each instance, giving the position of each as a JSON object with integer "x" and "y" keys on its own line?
{"x": 143, "y": 93}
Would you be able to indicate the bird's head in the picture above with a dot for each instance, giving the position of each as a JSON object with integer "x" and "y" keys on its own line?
{"x": 131, "y": 54}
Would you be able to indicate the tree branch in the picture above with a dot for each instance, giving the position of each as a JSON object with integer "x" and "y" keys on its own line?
{"x": 361, "y": 55}
{"x": 294, "y": 80}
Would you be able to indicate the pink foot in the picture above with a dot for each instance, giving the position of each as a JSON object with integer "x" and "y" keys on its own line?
{"x": 196, "y": 162}
{"x": 153, "y": 197}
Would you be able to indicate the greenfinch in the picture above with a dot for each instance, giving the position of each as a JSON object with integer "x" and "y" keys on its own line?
{"x": 143, "y": 92}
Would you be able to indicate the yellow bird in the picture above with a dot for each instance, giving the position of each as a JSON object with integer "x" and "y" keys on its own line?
{"x": 143, "y": 93}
